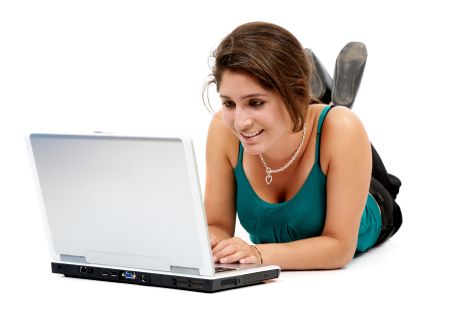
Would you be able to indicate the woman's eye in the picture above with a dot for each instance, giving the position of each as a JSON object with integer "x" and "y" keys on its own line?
{"x": 228, "y": 104}
{"x": 256, "y": 103}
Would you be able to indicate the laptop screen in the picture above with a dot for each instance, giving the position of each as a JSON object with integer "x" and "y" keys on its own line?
{"x": 125, "y": 201}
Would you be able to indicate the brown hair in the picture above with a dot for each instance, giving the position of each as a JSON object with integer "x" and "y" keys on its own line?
{"x": 274, "y": 57}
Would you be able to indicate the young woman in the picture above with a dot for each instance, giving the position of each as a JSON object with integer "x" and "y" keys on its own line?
{"x": 297, "y": 174}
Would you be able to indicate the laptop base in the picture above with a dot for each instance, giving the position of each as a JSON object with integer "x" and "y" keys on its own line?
{"x": 162, "y": 280}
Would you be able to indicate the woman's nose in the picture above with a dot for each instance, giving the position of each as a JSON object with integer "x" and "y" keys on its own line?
{"x": 242, "y": 121}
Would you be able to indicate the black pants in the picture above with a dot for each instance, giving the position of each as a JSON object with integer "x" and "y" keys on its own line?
{"x": 391, "y": 215}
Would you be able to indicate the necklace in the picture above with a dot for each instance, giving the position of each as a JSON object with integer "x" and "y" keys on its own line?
{"x": 269, "y": 170}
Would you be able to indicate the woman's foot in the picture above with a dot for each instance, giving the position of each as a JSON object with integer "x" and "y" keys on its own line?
{"x": 348, "y": 73}
{"x": 320, "y": 82}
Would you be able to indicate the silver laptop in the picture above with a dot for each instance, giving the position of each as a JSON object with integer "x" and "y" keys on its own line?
{"x": 129, "y": 209}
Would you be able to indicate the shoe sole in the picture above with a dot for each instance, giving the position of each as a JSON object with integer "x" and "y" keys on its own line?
{"x": 348, "y": 72}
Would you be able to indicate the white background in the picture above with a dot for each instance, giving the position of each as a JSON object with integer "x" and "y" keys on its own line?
{"x": 139, "y": 66}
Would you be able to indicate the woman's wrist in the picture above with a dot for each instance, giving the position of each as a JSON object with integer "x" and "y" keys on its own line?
{"x": 218, "y": 232}
{"x": 259, "y": 254}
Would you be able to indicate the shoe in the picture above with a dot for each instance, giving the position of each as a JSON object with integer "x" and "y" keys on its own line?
{"x": 348, "y": 73}
{"x": 321, "y": 81}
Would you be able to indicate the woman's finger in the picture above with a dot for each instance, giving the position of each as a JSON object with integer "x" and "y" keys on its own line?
{"x": 232, "y": 258}
{"x": 226, "y": 251}
{"x": 250, "y": 259}
{"x": 221, "y": 245}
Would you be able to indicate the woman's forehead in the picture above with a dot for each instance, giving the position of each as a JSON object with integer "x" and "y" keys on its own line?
{"x": 239, "y": 83}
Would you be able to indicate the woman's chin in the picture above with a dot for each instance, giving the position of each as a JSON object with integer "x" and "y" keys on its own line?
{"x": 252, "y": 149}
{"x": 253, "y": 145}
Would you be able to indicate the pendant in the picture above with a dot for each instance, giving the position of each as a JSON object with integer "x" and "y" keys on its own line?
{"x": 268, "y": 179}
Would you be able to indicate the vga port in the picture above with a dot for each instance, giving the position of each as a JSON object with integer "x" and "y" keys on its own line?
{"x": 129, "y": 275}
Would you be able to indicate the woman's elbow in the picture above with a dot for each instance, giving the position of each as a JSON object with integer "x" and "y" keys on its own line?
{"x": 343, "y": 262}
{"x": 344, "y": 255}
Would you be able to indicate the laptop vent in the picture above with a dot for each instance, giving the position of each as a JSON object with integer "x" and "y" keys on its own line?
{"x": 188, "y": 283}
{"x": 228, "y": 282}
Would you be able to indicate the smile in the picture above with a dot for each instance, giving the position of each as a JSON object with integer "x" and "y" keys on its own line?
{"x": 251, "y": 134}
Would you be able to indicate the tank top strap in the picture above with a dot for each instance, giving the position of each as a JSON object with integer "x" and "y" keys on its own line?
{"x": 319, "y": 130}
{"x": 241, "y": 152}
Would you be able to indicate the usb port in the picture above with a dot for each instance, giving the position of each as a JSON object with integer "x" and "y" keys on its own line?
{"x": 113, "y": 274}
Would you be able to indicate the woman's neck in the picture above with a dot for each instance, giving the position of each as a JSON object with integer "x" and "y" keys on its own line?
{"x": 285, "y": 148}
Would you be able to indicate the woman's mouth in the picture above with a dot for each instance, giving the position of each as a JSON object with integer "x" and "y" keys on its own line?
{"x": 251, "y": 135}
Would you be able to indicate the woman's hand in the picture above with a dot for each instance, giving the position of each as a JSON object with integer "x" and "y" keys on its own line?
{"x": 213, "y": 240}
{"x": 235, "y": 250}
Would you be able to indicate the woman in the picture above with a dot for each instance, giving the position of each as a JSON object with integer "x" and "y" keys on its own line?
{"x": 298, "y": 181}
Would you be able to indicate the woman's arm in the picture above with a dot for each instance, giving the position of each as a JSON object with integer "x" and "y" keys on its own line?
{"x": 220, "y": 183}
{"x": 345, "y": 143}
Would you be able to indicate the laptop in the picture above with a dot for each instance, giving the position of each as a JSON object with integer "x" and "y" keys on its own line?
{"x": 129, "y": 209}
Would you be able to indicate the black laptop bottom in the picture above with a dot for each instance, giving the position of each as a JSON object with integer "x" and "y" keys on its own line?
{"x": 162, "y": 280}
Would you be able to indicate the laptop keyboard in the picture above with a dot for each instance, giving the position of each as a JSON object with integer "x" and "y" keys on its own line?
{"x": 222, "y": 269}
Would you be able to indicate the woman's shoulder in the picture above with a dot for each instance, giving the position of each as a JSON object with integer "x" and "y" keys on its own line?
{"x": 343, "y": 133}
{"x": 342, "y": 119}
{"x": 338, "y": 116}
{"x": 221, "y": 140}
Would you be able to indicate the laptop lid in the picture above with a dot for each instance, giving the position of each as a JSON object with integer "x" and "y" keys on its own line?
{"x": 123, "y": 201}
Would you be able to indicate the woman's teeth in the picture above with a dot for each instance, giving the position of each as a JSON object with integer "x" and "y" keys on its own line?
{"x": 251, "y": 134}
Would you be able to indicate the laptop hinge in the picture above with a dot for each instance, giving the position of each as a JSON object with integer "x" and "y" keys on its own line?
{"x": 184, "y": 270}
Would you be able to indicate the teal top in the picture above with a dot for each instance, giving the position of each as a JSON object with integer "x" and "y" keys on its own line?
{"x": 301, "y": 217}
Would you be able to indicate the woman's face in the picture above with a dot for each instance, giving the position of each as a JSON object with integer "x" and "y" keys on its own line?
{"x": 258, "y": 117}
